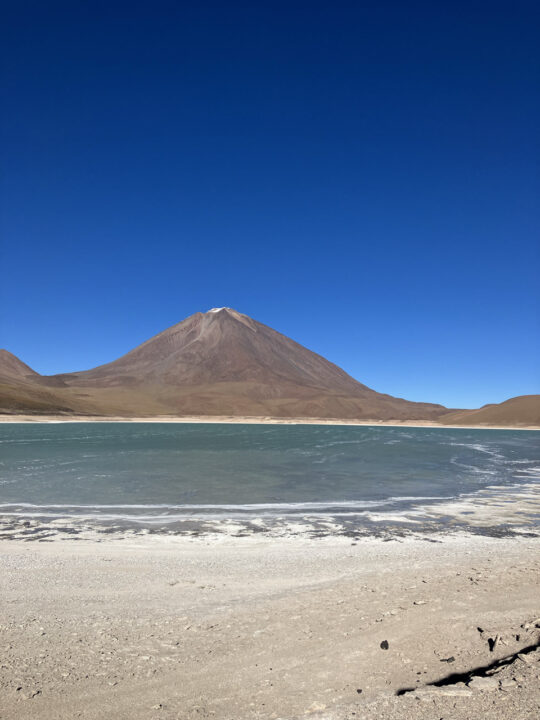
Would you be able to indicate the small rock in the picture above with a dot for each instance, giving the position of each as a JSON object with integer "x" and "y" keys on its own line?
{"x": 31, "y": 694}
{"x": 420, "y": 602}
{"x": 450, "y": 659}
{"x": 457, "y": 690}
{"x": 484, "y": 684}
{"x": 385, "y": 645}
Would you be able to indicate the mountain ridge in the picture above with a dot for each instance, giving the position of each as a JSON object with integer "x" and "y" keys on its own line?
{"x": 218, "y": 363}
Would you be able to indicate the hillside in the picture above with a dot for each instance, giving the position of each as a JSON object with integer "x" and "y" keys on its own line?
{"x": 521, "y": 410}
{"x": 216, "y": 363}
{"x": 224, "y": 363}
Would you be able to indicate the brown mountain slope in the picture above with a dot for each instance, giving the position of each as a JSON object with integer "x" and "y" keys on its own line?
{"x": 225, "y": 363}
{"x": 11, "y": 368}
{"x": 21, "y": 388}
{"x": 216, "y": 363}
{"x": 521, "y": 410}
{"x": 222, "y": 346}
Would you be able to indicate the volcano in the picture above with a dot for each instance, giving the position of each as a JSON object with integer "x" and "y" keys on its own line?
{"x": 217, "y": 363}
{"x": 220, "y": 362}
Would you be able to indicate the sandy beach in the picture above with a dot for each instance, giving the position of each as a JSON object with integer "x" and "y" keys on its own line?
{"x": 247, "y": 419}
{"x": 256, "y": 627}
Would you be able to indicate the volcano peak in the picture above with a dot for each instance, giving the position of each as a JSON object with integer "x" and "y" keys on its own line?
{"x": 223, "y": 362}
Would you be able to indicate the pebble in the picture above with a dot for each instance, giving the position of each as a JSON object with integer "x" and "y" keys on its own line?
{"x": 457, "y": 690}
{"x": 31, "y": 694}
{"x": 481, "y": 683}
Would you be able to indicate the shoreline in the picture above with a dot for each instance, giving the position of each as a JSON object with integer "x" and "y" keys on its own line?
{"x": 492, "y": 511}
{"x": 248, "y": 420}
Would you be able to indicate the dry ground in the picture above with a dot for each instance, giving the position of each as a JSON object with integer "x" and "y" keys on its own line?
{"x": 163, "y": 628}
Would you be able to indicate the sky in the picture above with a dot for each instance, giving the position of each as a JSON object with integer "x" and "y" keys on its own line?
{"x": 362, "y": 177}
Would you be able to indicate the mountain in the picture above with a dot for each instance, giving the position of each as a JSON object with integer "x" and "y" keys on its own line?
{"x": 216, "y": 363}
{"x": 24, "y": 390}
{"x": 521, "y": 410}
{"x": 11, "y": 368}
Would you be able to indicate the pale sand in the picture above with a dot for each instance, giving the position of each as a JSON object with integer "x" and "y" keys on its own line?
{"x": 159, "y": 627}
{"x": 247, "y": 420}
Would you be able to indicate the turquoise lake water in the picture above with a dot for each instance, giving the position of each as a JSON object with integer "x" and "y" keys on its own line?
{"x": 158, "y": 472}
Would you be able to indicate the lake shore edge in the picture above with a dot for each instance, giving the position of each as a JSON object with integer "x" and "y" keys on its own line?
{"x": 248, "y": 420}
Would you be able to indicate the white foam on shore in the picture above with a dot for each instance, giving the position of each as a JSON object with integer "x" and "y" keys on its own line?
{"x": 512, "y": 506}
{"x": 316, "y": 511}
{"x": 277, "y": 507}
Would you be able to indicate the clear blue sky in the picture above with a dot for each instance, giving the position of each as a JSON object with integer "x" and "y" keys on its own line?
{"x": 362, "y": 177}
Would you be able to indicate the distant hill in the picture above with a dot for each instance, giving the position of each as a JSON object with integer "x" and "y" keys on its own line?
{"x": 22, "y": 390}
{"x": 521, "y": 410}
{"x": 216, "y": 363}
{"x": 11, "y": 368}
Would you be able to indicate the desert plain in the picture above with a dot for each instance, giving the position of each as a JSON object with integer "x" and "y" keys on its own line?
{"x": 135, "y": 624}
